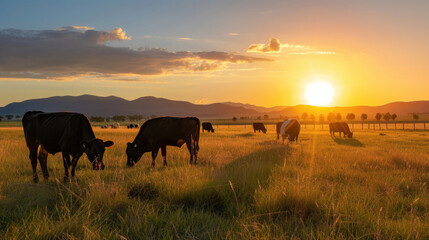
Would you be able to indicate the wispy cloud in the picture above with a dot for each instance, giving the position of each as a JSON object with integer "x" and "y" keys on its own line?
{"x": 274, "y": 46}
{"x": 74, "y": 51}
{"x": 185, "y": 39}
{"x": 233, "y": 34}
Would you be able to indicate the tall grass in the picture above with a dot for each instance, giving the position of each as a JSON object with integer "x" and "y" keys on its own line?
{"x": 245, "y": 186}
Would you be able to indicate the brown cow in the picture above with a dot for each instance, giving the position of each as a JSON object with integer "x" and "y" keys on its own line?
{"x": 340, "y": 127}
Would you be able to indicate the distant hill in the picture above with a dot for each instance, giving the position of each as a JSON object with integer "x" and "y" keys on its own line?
{"x": 109, "y": 106}
{"x": 147, "y": 106}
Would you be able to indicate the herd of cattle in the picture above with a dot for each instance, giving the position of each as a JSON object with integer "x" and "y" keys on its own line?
{"x": 72, "y": 135}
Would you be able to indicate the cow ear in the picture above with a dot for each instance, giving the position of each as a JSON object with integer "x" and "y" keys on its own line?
{"x": 84, "y": 144}
{"x": 108, "y": 143}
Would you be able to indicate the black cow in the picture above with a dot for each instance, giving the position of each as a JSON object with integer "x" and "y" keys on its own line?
{"x": 136, "y": 125}
{"x": 340, "y": 127}
{"x": 161, "y": 132}
{"x": 208, "y": 127}
{"x": 258, "y": 126}
{"x": 278, "y": 125}
{"x": 290, "y": 129}
{"x": 68, "y": 133}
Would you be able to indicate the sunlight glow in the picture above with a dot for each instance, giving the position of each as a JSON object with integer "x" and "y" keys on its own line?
{"x": 319, "y": 93}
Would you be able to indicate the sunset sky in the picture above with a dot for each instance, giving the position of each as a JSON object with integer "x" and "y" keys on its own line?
{"x": 259, "y": 52}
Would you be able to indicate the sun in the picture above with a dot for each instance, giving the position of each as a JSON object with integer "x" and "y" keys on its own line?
{"x": 319, "y": 93}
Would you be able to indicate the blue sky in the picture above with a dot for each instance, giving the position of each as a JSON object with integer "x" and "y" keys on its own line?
{"x": 373, "y": 42}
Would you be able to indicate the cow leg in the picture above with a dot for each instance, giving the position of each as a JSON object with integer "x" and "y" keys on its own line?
{"x": 154, "y": 154}
{"x": 74, "y": 163}
{"x": 33, "y": 158}
{"x": 66, "y": 162}
{"x": 196, "y": 149}
{"x": 164, "y": 154}
{"x": 189, "y": 145}
{"x": 43, "y": 159}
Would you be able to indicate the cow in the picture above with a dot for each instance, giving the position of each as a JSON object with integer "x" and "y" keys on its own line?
{"x": 130, "y": 126}
{"x": 208, "y": 127}
{"x": 258, "y": 126}
{"x": 161, "y": 132}
{"x": 290, "y": 129}
{"x": 115, "y": 125}
{"x": 278, "y": 126}
{"x": 65, "y": 132}
{"x": 136, "y": 125}
{"x": 340, "y": 127}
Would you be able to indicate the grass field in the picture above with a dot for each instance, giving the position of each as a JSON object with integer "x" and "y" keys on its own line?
{"x": 245, "y": 186}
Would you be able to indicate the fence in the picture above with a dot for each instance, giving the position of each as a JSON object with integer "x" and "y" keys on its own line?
{"x": 355, "y": 125}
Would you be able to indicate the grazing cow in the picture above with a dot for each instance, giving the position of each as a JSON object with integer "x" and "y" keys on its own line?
{"x": 208, "y": 127}
{"x": 340, "y": 127}
{"x": 68, "y": 133}
{"x": 290, "y": 129}
{"x": 136, "y": 125}
{"x": 161, "y": 132}
{"x": 278, "y": 126}
{"x": 258, "y": 126}
{"x": 130, "y": 126}
{"x": 115, "y": 125}
{"x": 104, "y": 126}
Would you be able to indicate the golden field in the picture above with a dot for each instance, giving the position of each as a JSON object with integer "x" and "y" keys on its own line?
{"x": 245, "y": 186}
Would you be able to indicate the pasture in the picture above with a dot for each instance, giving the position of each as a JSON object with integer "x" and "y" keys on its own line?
{"x": 245, "y": 186}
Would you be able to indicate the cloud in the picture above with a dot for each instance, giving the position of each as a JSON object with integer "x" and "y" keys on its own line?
{"x": 185, "y": 39}
{"x": 274, "y": 46}
{"x": 74, "y": 51}
{"x": 233, "y": 34}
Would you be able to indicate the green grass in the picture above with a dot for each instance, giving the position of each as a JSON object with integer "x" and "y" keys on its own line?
{"x": 245, "y": 186}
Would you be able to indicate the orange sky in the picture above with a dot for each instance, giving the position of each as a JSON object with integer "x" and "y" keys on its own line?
{"x": 372, "y": 52}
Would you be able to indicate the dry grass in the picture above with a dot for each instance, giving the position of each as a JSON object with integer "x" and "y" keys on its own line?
{"x": 246, "y": 186}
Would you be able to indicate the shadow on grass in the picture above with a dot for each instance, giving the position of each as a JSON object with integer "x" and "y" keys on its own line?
{"x": 349, "y": 142}
{"x": 249, "y": 134}
{"x": 21, "y": 198}
{"x": 234, "y": 186}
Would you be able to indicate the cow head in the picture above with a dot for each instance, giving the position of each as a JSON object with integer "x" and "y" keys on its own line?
{"x": 264, "y": 130}
{"x": 350, "y": 135}
{"x": 94, "y": 149}
{"x": 134, "y": 153}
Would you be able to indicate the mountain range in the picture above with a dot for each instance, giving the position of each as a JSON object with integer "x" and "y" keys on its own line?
{"x": 147, "y": 106}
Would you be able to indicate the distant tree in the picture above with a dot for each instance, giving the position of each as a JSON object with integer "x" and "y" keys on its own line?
{"x": 363, "y": 116}
{"x": 119, "y": 118}
{"x": 17, "y": 117}
{"x": 321, "y": 118}
{"x": 387, "y": 116}
{"x": 338, "y": 117}
{"x": 259, "y": 118}
{"x": 107, "y": 119}
{"x": 394, "y": 116}
{"x": 304, "y": 116}
{"x": 266, "y": 117}
{"x": 350, "y": 116}
{"x": 1, "y": 118}
{"x": 234, "y": 119}
{"x": 378, "y": 116}
{"x": 243, "y": 118}
{"x": 331, "y": 116}
{"x": 96, "y": 119}
{"x": 9, "y": 117}
{"x": 416, "y": 116}
{"x": 312, "y": 117}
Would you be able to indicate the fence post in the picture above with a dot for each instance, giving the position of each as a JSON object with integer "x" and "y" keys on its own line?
{"x": 395, "y": 125}
{"x": 424, "y": 125}
{"x": 414, "y": 123}
{"x": 403, "y": 125}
